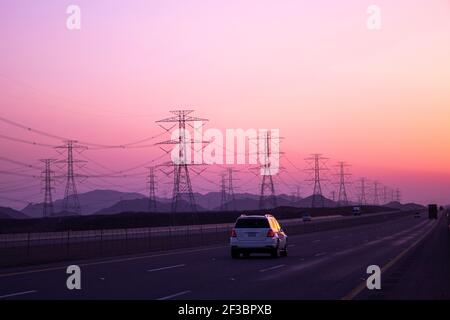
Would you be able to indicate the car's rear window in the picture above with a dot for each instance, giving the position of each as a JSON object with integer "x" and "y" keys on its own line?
{"x": 252, "y": 223}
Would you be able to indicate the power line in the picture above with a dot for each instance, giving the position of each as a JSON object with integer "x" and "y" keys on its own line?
{"x": 30, "y": 142}
{"x": 86, "y": 143}
{"x": 18, "y": 174}
{"x": 23, "y": 164}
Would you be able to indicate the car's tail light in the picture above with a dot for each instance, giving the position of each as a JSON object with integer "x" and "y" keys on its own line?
{"x": 233, "y": 233}
{"x": 270, "y": 233}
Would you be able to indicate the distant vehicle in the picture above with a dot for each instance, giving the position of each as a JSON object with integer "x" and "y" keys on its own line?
{"x": 417, "y": 214}
{"x": 258, "y": 234}
{"x": 448, "y": 219}
{"x": 432, "y": 211}
{"x": 306, "y": 217}
{"x": 356, "y": 211}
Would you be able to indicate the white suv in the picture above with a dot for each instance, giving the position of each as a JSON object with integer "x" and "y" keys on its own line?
{"x": 258, "y": 234}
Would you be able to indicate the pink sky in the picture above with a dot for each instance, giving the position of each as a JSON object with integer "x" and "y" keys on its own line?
{"x": 379, "y": 100}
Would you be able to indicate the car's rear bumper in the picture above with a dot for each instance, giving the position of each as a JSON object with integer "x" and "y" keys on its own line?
{"x": 266, "y": 244}
{"x": 267, "y": 249}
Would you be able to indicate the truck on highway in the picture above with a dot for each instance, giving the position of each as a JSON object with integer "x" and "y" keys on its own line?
{"x": 432, "y": 211}
{"x": 447, "y": 212}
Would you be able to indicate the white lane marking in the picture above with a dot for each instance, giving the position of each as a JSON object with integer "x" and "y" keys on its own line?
{"x": 273, "y": 268}
{"x": 111, "y": 261}
{"x": 166, "y": 268}
{"x": 320, "y": 254}
{"x": 17, "y": 294}
{"x": 174, "y": 295}
{"x": 357, "y": 290}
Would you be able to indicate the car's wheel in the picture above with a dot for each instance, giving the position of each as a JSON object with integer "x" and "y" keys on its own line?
{"x": 284, "y": 252}
{"x": 246, "y": 254}
{"x": 235, "y": 254}
{"x": 275, "y": 252}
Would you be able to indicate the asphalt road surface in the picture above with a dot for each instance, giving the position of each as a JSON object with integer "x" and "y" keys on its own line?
{"x": 321, "y": 265}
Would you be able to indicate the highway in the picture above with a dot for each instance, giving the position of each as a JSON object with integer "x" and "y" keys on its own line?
{"x": 321, "y": 265}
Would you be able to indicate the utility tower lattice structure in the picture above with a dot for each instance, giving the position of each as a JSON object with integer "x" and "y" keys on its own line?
{"x": 397, "y": 195}
{"x": 376, "y": 199}
{"x": 317, "y": 168}
{"x": 362, "y": 190}
{"x": 228, "y": 200}
{"x": 223, "y": 193}
{"x": 181, "y": 180}
{"x": 342, "y": 194}
{"x": 71, "y": 200}
{"x": 47, "y": 175}
{"x": 296, "y": 194}
{"x": 152, "y": 187}
{"x": 267, "y": 193}
{"x": 385, "y": 190}
{"x": 231, "y": 189}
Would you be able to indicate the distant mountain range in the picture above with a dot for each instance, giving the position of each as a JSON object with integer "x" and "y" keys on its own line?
{"x": 406, "y": 206}
{"x": 113, "y": 202}
{"x": 90, "y": 202}
{"x": 8, "y": 213}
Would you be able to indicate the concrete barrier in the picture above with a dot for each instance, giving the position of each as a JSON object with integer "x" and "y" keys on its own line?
{"x": 36, "y": 248}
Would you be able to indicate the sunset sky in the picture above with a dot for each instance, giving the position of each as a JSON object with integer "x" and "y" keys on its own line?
{"x": 379, "y": 100}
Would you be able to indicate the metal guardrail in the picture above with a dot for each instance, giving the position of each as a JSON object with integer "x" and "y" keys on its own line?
{"x": 35, "y": 248}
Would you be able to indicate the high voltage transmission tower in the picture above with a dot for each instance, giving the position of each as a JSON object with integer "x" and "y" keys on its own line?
{"x": 397, "y": 195}
{"x": 296, "y": 194}
{"x": 333, "y": 195}
{"x": 223, "y": 194}
{"x": 182, "y": 185}
{"x": 362, "y": 191}
{"x": 342, "y": 194}
{"x": 71, "y": 200}
{"x": 152, "y": 187}
{"x": 231, "y": 196}
{"x": 317, "y": 167}
{"x": 227, "y": 197}
{"x": 47, "y": 176}
{"x": 376, "y": 198}
{"x": 385, "y": 191}
{"x": 267, "y": 197}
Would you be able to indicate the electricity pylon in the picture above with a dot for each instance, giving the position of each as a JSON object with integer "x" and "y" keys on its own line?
{"x": 317, "y": 168}
{"x": 152, "y": 207}
{"x": 71, "y": 200}
{"x": 47, "y": 176}
{"x": 182, "y": 185}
